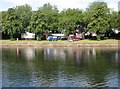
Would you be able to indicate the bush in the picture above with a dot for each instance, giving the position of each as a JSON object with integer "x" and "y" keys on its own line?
{"x": 12, "y": 39}
{"x": 98, "y": 37}
{"x": 39, "y": 38}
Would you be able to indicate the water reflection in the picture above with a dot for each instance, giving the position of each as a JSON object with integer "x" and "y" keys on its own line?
{"x": 29, "y": 53}
{"x": 57, "y": 53}
{"x": 60, "y": 67}
{"x": 0, "y": 68}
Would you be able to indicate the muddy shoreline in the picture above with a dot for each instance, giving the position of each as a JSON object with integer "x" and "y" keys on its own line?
{"x": 61, "y": 44}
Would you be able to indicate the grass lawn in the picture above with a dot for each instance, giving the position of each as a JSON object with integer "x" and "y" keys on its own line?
{"x": 35, "y": 41}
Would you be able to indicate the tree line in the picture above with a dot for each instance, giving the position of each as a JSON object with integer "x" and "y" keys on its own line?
{"x": 96, "y": 18}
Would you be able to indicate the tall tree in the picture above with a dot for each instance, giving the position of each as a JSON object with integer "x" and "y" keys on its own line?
{"x": 114, "y": 20}
{"x": 118, "y": 21}
{"x": 44, "y": 19}
{"x": 24, "y": 12}
{"x": 99, "y": 17}
{"x": 69, "y": 19}
{"x": 9, "y": 22}
{"x": 16, "y": 20}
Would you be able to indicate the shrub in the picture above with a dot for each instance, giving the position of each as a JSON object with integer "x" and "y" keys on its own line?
{"x": 98, "y": 37}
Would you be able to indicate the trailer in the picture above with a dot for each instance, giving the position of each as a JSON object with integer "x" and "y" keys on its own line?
{"x": 27, "y": 36}
{"x": 74, "y": 37}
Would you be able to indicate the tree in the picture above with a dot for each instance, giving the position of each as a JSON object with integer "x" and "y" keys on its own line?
{"x": 24, "y": 13}
{"x": 16, "y": 20}
{"x": 69, "y": 19}
{"x": 114, "y": 20}
{"x": 118, "y": 21}
{"x": 8, "y": 22}
{"x": 44, "y": 19}
{"x": 99, "y": 19}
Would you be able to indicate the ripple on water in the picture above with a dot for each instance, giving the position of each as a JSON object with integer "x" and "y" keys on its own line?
{"x": 65, "y": 72}
{"x": 112, "y": 79}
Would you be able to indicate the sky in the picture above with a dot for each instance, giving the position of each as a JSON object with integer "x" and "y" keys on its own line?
{"x": 61, "y": 4}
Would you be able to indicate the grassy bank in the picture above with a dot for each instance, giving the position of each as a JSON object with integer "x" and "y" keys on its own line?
{"x": 60, "y": 41}
{"x": 81, "y": 43}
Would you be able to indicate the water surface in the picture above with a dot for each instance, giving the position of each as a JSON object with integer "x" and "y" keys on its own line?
{"x": 59, "y": 67}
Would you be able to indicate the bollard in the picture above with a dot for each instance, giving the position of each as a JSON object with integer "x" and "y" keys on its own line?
{"x": 17, "y": 39}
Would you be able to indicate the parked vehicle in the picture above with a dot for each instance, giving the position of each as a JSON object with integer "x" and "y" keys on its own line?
{"x": 28, "y": 36}
{"x": 50, "y": 38}
{"x": 74, "y": 37}
{"x": 55, "y": 37}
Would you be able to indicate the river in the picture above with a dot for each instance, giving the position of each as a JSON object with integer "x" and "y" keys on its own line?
{"x": 59, "y": 67}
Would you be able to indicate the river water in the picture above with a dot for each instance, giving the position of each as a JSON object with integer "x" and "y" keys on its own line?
{"x": 59, "y": 67}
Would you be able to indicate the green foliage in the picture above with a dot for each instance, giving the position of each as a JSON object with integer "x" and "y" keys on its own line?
{"x": 115, "y": 20}
{"x": 97, "y": 18}
{"x": 44, "y": 19}
{"x": 99, "y": 14}
{"x": 98, "y": 37}
{"x": 118, "y": 21}
{"x": 69, "y": 19}
{"x": 16, "y": 20}
{"x": 38, "y": 38}
{"x": 12, "y": 39}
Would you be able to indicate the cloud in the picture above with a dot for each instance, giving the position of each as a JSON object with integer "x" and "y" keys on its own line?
{"x": 64, "y": 4}
{"x": 113, "y": 6}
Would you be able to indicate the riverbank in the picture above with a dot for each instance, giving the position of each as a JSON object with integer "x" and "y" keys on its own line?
{"x": 81, "y": 43}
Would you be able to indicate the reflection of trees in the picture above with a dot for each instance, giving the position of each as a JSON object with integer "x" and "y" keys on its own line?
{"x": 46, "y": 70}
{"x": 14, "y": 68}
{"x": 0, "y": 67}
{"x": 95, "y": 64}
{"x": 54, "y": 54}
{"x": 98, "y": 70}
{"x": 28, "y": 53}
